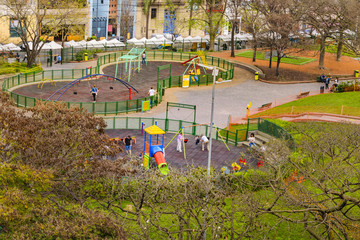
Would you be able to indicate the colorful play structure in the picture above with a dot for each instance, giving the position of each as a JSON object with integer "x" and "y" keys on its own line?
{"x": 63, "y": 89}
{"x": 152, "y": 149}
{"x": 193, "y": 70}
{"x": 131, "y": 58}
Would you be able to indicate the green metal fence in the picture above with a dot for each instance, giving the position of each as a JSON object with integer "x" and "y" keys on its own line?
{"x": 171, "y": 125}
{"x": 267, "y": 127}
{"x": 192, "y": 128}
{"x": 113, "y": 107}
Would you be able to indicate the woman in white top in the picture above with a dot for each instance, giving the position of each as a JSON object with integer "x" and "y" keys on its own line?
{"x": 204, "y": 140}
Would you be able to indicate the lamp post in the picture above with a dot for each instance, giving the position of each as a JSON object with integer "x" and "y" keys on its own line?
{"x": 214, "y": 73}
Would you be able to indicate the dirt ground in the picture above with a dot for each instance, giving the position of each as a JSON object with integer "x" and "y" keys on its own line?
{"x": 306, "y": 72}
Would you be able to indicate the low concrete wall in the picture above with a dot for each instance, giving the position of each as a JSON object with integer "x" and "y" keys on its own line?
{"x": 248, "y": 67}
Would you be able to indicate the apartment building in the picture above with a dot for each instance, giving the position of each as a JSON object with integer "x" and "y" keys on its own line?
{"x": 162, "y": 19}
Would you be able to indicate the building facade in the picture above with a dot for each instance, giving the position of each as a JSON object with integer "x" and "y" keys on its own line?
{"x": 165, "y": 20}
{"x": 99, "y": 18}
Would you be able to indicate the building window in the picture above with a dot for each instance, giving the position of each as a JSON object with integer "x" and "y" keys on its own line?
{"x": 153, "y": 13}
{"x": 169, "y": 21}
{"x": 15, "y": 28}
{"x": 102, "y": 1}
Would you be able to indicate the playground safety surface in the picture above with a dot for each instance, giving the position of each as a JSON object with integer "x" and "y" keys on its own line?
{"x": 109, "y": 90}
{"x": 220, "y": 156}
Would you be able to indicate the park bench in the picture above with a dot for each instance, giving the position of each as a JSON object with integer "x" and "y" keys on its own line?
{"x": 266, "y": 105}
{"x": 303, "y": 94}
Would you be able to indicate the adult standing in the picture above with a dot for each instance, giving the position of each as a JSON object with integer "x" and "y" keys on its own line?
{"x": 179, "y": 141}
{"x": 128, "y": 144}
{"x": 204, "y": 141}
{"x": 322, "y": 78}
{"x": 327, "y": 81}
{"x": 151, "y": 93}
{"x": 94, "y": 92}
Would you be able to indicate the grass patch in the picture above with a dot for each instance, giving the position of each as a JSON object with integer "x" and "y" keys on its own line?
{"x": 289, "y": 59}
{"x": 347, "y": 103}
{"x": 16, "y": 67}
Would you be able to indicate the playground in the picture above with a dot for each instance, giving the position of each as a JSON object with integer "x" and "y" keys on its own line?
{"x": 194, "y": 156}
{"x": 110, "y": 90}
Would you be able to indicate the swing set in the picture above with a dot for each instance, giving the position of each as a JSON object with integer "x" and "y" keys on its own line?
{"x": 193, "y": 69}
{"x": 129, "y": 69}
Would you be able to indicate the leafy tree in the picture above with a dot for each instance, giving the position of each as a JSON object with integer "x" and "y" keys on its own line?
{"x": 211, "y": 16}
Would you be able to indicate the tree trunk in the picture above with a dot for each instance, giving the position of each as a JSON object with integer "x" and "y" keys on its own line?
{"x": 340, "y": 46}
{"x": 270, "y": 62}
{"x": 254, "y": 53}
{"x": 147, "y": 24}
{"x": 322, "y": 52}
{"x": 278, "y": 64}
{"x": 190, "y": 22}
{"x": 233, "y": 24}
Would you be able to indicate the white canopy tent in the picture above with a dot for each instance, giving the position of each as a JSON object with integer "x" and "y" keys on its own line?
{"x": 11, "y": 47}
{"x": 95, "y": 44}
{"x": 112, "y": 43}
{"x": 51, "y": 46}
{"x": 71, "y": 43}
{"x": 135, "y": 42}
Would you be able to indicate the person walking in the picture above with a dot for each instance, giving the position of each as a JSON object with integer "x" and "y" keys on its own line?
{"x": 94, "y": 92}
{"x": 179, "y": 141}
{"x": 128, "y": 144}
{"x": 204, "y": 141}
{"x": 143, "y": 58}
{"x": 151, "y": 93}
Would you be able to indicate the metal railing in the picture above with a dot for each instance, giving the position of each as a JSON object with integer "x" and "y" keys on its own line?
{"x": 126, "y": 106}
{"x": 171, "y": 125}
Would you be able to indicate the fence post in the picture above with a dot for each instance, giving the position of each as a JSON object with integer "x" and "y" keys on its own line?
{"x": 114, "y": 122}
{"x": 127, "y": 105}
{"x": 247, "y": 129}
{"x": 105, "y": 108}
{"x": 342, "y": 108}
{"x": 236, "y": 137}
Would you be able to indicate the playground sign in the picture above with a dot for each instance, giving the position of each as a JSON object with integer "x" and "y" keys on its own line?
{"x": 145, "y": 106}
{"x": 186, "y": 81}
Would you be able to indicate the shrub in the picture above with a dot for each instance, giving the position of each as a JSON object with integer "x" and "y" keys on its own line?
{"x": 348, "y": 86}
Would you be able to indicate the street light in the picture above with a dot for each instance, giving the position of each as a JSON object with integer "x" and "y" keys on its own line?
{"x": 215, "y": 72}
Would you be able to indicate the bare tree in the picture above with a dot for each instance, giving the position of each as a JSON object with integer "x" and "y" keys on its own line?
{"x": 252, "y": 22}
{"x": 318, "y": 185}
{"x": 127, "y": 17}
{"x": 280, "y": 24}
{"x": 234, "y": 9}
{"x": 28, "y": 18}
{"x": 324, "y": 18}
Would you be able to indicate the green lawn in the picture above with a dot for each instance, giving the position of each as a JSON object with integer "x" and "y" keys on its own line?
{"x": 347, "y": 103}
{"x": 289, "y": 59}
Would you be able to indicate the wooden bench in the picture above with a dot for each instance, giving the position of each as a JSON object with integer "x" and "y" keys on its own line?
{"x": 303, "y": 94}
{"x": 266, "y": 105}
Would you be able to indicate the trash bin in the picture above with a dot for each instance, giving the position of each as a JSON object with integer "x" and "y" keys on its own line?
{"x": 356, "y": 73}
{"x": 163, "y": 91}
{"x": 256, "y": 75}
{"x": 86, "y": 56}
{"x": 322, "y": 89}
